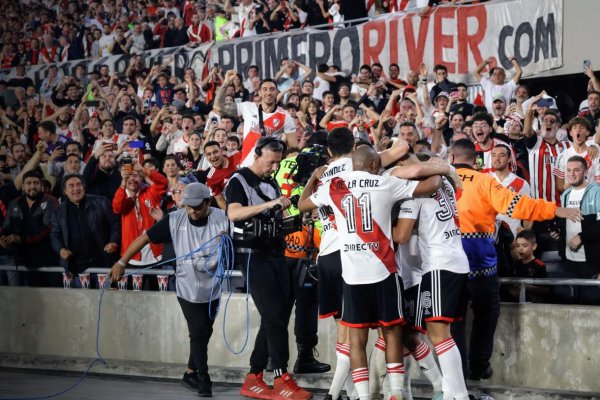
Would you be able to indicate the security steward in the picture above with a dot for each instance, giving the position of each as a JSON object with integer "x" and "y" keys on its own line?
{"x": 478, "y": 203}
{"x": 188, "y": 228}
{"x": 253, "y": 198}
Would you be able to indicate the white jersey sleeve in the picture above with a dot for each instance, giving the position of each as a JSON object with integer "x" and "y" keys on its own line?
{"x": 408, "y": 255}
{"x": 409, "y": 209}
{"x": 401, "y": 188}
{"x": 321, "y": 198}
{"x": 329, "y": 237}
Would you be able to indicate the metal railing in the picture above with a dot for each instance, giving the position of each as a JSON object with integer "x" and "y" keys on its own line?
{"x": 21, "y": 268}
{"x": 523, "y": 282}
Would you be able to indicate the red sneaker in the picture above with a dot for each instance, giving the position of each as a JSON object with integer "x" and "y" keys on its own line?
{"x": 256, "y": 388}
{"x": 286, "y": 388}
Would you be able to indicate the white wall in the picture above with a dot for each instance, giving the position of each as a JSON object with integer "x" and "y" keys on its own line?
{"x": 580, "y": 37}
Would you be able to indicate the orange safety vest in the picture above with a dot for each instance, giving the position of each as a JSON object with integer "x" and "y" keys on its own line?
{"x": 298, "y": 243}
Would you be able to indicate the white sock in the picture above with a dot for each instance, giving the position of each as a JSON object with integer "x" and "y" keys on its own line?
{"x": 350, "y": 389}
{"x": 360, "y": 377}
{"x": 377, "y": 369}
{"x": 451, "y": 365}
{"x": 406, "y": 391}
{"x": 395, "y": 375}
{"x": 385, "y": 388}
{"x": 342, "y": 369}
{"x": 428, "y": 365}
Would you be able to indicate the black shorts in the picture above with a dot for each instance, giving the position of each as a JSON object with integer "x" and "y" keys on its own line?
{"x": 441, "y": 297}
{"x": 373, "y": 305}
{"x": 410, "y": 297}
{"x": 329, "y": 270}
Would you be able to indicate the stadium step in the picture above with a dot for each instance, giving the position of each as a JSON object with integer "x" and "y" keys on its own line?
{"x": 235, "y": 376}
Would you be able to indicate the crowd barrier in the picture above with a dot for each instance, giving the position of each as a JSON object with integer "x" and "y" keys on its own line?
{"x": 521, "y": 282}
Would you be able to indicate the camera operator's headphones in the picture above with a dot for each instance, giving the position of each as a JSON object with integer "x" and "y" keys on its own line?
{"x": 266, "y": 141}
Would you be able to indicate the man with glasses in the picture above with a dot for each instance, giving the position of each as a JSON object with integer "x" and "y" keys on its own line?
{"x": 543, "y": 148}
{"x": 187, "y": 228}
{"x": 485, "y": 143}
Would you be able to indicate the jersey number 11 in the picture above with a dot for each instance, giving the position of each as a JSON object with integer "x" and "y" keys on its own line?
{"x": 362, "y": 205}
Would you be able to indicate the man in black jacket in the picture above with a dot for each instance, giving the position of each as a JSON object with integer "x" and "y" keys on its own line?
{"x": 85, "y": 231}
{"x": 26, "y": 230}
{"x": 101, "y": 175}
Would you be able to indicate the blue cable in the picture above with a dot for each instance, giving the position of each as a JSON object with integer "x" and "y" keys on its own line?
{"x": 247, "y": 312}
{"x": 99, "y": 359}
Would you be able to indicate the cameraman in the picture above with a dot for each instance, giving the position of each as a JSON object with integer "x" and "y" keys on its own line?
{"x": 301, "y": 247}
{"x": 252, "y": 193}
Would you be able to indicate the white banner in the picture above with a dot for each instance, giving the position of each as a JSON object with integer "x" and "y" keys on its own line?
{"x": 183, "y": 57}
{"x": 460, "y": 37}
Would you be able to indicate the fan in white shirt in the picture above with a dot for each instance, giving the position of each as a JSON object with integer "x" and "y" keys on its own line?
{"x": 495, "y": 85}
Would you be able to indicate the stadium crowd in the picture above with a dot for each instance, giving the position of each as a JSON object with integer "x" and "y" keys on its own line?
{"x": 35, "y": 32}
{"x": 90, "y": 163}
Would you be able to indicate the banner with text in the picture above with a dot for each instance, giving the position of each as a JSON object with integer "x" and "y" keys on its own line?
{"x": 182, "y": 57}
{"x": 460, "y": 37}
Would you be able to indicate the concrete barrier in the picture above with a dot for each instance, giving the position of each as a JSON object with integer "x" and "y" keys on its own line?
{"x": 551, "y": 347}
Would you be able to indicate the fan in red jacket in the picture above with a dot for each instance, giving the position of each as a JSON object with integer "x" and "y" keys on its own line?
{"x": 134, "y": 202}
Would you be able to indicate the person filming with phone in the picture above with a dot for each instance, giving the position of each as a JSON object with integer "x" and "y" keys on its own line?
{"x": 101, "y": 174}
{"x": 141, "y": 190}
{"x": 136, "y": 144}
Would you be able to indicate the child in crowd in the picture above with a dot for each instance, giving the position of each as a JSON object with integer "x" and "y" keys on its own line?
{"x": 233, "y": 144}
{"x": 526, "y": 265}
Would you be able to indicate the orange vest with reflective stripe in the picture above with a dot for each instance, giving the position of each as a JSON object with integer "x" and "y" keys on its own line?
{"x": 298, "y": 243}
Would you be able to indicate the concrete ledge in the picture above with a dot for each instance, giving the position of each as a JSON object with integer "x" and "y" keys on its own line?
{"x": 548, "y": 347}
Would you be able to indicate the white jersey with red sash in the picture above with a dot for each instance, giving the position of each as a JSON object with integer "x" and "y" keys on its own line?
{"x": 370, "y": 4}
{"x": 49, "y": 55}
{"x": 276, "y": 124}
{"x": 199, "y": 34}
{"x": 362, "y": 204}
